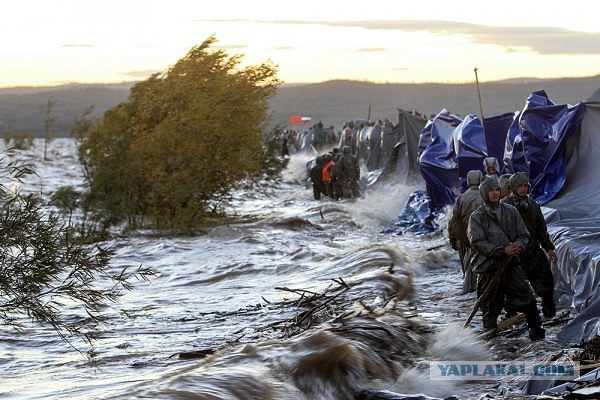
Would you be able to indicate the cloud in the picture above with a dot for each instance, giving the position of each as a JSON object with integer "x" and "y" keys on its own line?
{"x": 232, "y": 47}
{"x": 370, "y": 49}
{"x": 83, "y": 46}
{"x": 140, "y": 74}
{"x": 280, "y": 48}
{"x": 540, "y": 39}
{"x": 400, "y": 69}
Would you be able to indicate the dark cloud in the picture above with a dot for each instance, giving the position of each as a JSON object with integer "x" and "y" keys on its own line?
{"x": 77, "y": 46}
{"x": 370, "y": 49}
{"x": 140, "y": 74}
{"x": 540, "y": 39}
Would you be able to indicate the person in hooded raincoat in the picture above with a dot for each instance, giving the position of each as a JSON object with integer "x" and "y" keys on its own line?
{"x": 464, "y": 206}
{"x": 504, "y": 185}
{"x": 540, "y": 247}
{"x": 347, "y": 174}
{"x": 316, "y": 177}
{"x": 496, "y": 231}
{"x": 491, "y": 166}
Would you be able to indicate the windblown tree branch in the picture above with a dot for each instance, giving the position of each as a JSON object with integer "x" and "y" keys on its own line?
{"x": 45, "y": 269}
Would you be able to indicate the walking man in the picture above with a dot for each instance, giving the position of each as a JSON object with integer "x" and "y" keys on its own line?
{"x": 498, "y": 235}
{"x": 348, "y": 173}
{"x": 464, "y": 206}
{"x": 535, "y": 262}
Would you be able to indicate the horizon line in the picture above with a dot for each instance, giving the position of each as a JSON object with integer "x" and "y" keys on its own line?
{"x": 384, "y": 82}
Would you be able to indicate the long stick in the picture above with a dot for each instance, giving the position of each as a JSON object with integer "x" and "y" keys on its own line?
{"x": 479, "y": 96}
{"x": 492, "y": 286}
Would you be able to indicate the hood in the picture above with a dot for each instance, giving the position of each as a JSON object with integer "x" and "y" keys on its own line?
{"x": 485, "y": 186}
{"x": 474, "y": 177}
{"x": 346, "y": 150}
{"x": 504, "y": 181}
{"x": 518, "y": 179}
{"x": 491, "y": 162}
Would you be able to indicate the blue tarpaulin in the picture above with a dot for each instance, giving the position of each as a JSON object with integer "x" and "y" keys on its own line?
{"x": 532, "y": 141}
{"x": 514, "y": 153}
{"x": 437, "y": 160}
{"x": 496, "y": 130}
{"x": 469, "y": 146}
{"x": 473, "y": 143}
{"x": 545, "y": 127}
{"x": 416, "y": 216}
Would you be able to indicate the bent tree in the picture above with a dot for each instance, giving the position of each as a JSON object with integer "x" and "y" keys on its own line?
{"x": 171, "y": 154}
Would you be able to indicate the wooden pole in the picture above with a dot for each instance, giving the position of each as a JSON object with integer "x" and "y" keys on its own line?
{"x": 479, "y": 96}
{"x": 491, "y": 287}
{"x": 369, "y": 116}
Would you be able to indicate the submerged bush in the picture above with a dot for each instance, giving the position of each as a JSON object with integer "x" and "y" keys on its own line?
{"x": 186, "y": 137}
{"x": 20, "y": 141}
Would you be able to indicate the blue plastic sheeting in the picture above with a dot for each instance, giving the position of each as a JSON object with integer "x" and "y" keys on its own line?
{"x": 533, "y": 141}
{"x": 437, "y": 160}
{"x": 514, "y": 152}
{"x": 573, "y": 219}
{"x": 473, "y": 143}
{"x": 470, "y": 147}
{"x": 495, "y": 131}
{"x": 545, "y": 127}
{"x": 415, "y": 217}
{"x": 370, "y": 179}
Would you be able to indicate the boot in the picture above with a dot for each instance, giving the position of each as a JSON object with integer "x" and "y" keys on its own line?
{"x": 537, "y": 333}
{"x": 548, "y": 308}
{"x": 510, "y": 312}
{"x": 489, "y": 334}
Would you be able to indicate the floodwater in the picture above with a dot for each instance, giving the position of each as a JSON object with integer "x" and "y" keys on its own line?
{"x": 390, "y": 305}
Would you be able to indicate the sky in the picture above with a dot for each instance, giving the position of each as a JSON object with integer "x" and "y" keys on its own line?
{"x": 62, "y": 41}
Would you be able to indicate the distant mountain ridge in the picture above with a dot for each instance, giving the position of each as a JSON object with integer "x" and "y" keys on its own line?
{"x": 333, "y": 102}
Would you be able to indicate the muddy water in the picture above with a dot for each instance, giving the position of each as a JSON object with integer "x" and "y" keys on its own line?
{"x": 398, "y": 307}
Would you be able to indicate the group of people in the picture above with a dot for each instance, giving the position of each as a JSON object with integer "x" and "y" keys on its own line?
{"x": 496, "y": 226}
{"x": 336, "y": 175}
{"x": 316, "y": 136}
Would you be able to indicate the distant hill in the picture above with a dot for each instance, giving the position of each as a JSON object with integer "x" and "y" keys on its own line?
{"x": 22, "y": 109}
{"x": 332, "y": 102}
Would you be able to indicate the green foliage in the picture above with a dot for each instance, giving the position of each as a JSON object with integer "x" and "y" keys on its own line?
{"x": 43, "y": 267}
{"x": 20, "y": 141}
{"x": 185, "y": 138}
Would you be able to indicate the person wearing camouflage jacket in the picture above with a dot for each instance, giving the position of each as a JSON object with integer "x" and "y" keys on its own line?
{"x": 496, "y": 231}
{"x": 464, "y": 206}
{"x": 535, "y": 262}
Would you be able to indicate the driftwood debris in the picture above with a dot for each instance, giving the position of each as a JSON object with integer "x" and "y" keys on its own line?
{"x": 193, "y": 355}
{"x": 314, "y": 301}
{"x": 512, "y": 321}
